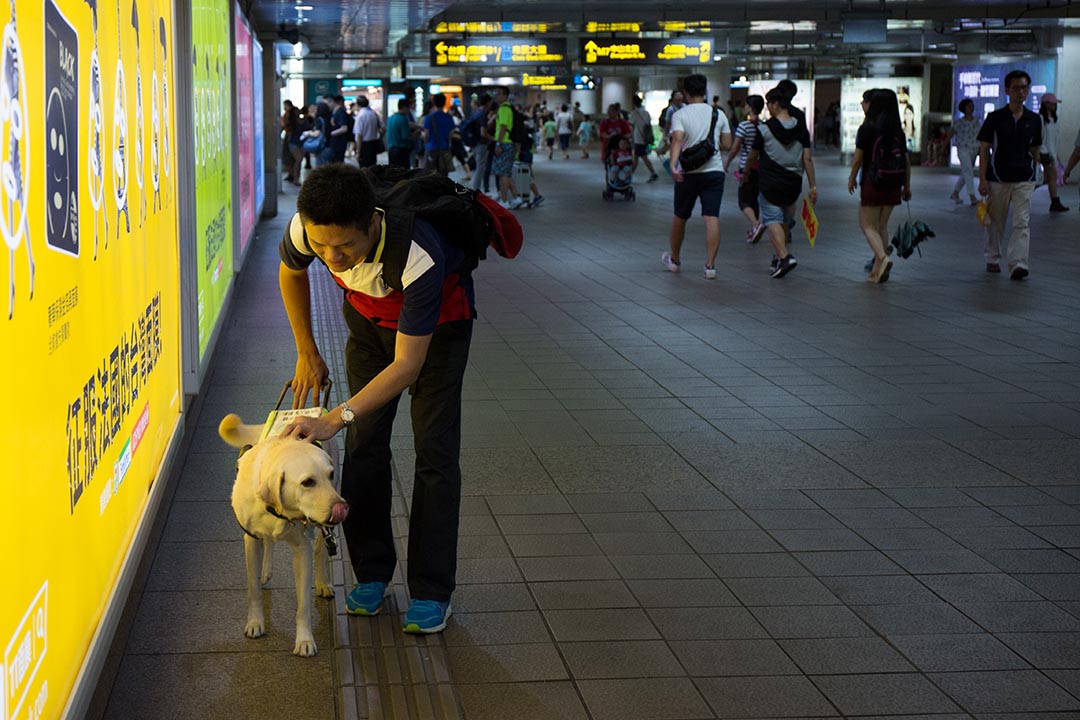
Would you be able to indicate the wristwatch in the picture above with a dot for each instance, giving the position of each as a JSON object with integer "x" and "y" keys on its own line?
{"x": 348, "y": 417}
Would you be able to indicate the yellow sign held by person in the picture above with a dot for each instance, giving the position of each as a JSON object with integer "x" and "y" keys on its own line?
{"x": 809, "y": 221}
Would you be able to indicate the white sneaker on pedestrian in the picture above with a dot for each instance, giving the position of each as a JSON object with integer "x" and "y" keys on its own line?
{"x": 517, "y": 202}
{"x": 710, "y": 273}
{"x": 671, "y": 265}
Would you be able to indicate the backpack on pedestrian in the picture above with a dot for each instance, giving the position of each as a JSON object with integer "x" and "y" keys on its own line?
{"x": 519, "y": 131}
{"x": 465, "y": 218}
{"x": 888, "y": 162}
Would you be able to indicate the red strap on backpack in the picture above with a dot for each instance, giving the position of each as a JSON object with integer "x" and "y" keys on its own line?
{"x": 507, "y": 235}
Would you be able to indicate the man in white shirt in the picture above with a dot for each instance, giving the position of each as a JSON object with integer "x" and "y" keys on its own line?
{"x": 368, "y": 130}
{"x": 643, "y": 136}
{"x": 689, "y": 126}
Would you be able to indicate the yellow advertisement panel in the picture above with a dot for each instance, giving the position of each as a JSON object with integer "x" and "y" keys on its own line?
{"x": 89, "y": 330}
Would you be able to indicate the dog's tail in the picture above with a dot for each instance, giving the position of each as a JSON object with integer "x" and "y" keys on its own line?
{"x": 233, "y": 431}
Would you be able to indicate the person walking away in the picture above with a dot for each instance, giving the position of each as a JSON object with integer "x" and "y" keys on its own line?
{"x": 782, "y": 148}
{"x": 367, "y": 128}
{"x": 1048, "y": 154}
{"x": 689, "y": 126}
{"x": 523, "y": 171}
{"x": 643, "y": 136}
{"x": 674, "y": 105}
{"x": 504, "y": 152}
{"x": 457, "y": 143}
{"x": 565, "y": 122}
{"x": 398, "y": 137}
{"x": 1007, "y": 175}
{"x": 417, "y": 338}
{"x": 340, "y": 127}
{"x": 473, "y": 135}
{"x": 1073, "y": 159}
{"x": 964, "y": 134}
{"x": 550, "y": 130}
{"x": 293, "y": 143}
{"x": 881, "y": 153}
{"x": 585, "y": 132}
{"x": 438, "y": 127}
{"x": 747, "y": 174}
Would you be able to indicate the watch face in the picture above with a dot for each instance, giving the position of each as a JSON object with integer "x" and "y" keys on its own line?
{"x": 347, "y": 415}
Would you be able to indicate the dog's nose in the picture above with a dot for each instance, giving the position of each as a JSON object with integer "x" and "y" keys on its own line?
{"x": 338, "y": 513}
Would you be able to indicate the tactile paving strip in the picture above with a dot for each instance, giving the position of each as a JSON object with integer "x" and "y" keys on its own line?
{"x": 379, "y": 671}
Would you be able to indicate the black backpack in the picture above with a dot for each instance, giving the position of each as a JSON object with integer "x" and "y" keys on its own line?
{"x": 465, "y": 218}
{"x": 519, "y": 132}
{"x": 887, "y": 162}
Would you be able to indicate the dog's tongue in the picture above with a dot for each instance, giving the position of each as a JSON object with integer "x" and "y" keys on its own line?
{"x": 338, "y": 512}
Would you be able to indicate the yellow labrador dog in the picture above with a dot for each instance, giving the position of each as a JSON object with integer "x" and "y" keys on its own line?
{"x": 284, "y": 489}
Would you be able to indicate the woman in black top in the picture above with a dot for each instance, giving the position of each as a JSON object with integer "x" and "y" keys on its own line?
{"x": 881, "y": 154}
{"x": 291, "y": 122}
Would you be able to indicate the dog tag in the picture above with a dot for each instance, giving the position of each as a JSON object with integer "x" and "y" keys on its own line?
{"x": 331, "y": 543}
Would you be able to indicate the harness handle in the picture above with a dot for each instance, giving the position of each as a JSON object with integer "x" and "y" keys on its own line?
{"x": 325, "y": 393}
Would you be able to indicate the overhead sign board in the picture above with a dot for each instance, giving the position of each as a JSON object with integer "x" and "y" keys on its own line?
{"x": 648, "y": 51}
{"x": 498, "y": 51}
{"x": 606, "y": 27}
{"x": 475, "y": 28}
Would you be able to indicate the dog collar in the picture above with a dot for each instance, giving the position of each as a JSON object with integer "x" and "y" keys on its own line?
{"x": 327, "y": 532}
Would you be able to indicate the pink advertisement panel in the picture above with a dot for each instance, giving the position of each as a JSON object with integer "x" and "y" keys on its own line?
{"x": 245, "y": 122}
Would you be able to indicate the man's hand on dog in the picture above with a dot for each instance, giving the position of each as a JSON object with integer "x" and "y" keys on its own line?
{"x": 312, "y": 429}
{"x": 311, "y": 374}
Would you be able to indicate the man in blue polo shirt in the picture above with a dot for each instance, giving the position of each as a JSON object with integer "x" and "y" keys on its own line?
{"x": 437, "y": 128}
{"x": 1013, "y": 134}
{"x": 417, "y": 338}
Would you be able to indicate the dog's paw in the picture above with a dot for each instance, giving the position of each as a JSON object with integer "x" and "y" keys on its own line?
{"x": 254, "y": 628}
{"x": 323, "y": 590}
{"x": 305, "y": 646}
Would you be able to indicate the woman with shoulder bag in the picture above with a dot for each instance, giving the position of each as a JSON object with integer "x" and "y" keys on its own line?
{"x": 881, "y": 154}
{"x": 315, "y": 139}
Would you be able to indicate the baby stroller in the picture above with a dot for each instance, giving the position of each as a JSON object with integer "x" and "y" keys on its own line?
{"x": 619, "y": 168}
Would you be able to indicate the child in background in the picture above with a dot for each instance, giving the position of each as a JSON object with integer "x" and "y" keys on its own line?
{"x": 622, "y": 163}
{"x": 523, "y": 173}
{"x": 585, "y": 132}
{"x": 550, "y": 129}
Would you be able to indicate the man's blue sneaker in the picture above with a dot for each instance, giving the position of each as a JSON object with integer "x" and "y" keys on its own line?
{"x": 426, "y": 616}
{"x": 366, "y": 598}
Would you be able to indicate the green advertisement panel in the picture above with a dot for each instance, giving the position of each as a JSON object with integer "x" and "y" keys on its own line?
{"x": 213, "y": 159}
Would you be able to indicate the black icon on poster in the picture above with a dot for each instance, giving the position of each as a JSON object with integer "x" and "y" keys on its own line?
{"x": 61, "y": 132}
{"x": 14, "y": 156}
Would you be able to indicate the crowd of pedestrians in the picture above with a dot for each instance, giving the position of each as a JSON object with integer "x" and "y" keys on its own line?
{"x": 766, "y": 139}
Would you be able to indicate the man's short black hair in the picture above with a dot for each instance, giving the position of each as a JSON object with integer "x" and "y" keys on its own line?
{"x": 403, "y": 104}
{"x": 438, "y": 100}
{"x": 788, "y": 86}
{"x": 336, "y": 194}
{"x": 339, "y": 99}
{"x": 964, "y": 103}
{"x": 1016, "y": 75}
{"x": 780, "y": 97}
{"x": 695, "y": 85}
{"x": 362, "y": 101}
{"x": 756, "y": 103}
{"x": 636, "y": 100}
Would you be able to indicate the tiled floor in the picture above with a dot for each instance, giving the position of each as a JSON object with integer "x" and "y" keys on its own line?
{"x": 739, "y": 498}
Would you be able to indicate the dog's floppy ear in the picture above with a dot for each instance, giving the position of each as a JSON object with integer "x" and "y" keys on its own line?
{"x": 270, "y": 489}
